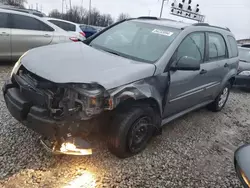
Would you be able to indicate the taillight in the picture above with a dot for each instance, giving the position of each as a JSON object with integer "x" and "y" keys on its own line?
{"x": 74, "y": 39}
{"x": 83, "y": 34}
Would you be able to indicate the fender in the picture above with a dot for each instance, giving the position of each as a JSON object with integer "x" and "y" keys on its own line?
{"x": 154, "y": 87}
{"x": 231, "y": 74}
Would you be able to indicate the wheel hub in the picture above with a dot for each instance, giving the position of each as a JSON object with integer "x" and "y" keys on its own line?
{"x": 139, "y": 134}
{"x": 223, "y": 97}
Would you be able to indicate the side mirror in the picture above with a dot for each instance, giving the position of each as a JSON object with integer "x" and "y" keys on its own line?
{"x": 187, "y": 63}
{"x": 242, "y": 164}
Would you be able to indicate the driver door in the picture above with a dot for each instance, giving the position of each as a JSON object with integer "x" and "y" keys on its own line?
{"x": 186, "y": 86}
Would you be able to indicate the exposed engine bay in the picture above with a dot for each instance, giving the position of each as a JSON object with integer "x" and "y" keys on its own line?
{"x": 80, "y": 101}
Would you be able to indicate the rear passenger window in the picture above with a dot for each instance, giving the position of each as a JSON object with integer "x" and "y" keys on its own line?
{"x": 63, "y": 25}
{"x": 233, "y": 46}
{"x": 28, "y": 23}
{"x": 3, "y": 18}
{"x": 217, "y": 47}
{"x": 192, "y": 46}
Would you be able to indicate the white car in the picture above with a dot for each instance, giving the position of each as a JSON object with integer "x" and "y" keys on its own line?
{"x": 71, "y": 27}
{"x": 20, "y": 32}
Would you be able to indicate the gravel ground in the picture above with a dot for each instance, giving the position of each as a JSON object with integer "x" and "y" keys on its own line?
{"x": 193, "y": 151}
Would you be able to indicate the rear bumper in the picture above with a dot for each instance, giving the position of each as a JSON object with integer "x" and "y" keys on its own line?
{"x": 34, "y": 117}
{"x": 242, "y": 81}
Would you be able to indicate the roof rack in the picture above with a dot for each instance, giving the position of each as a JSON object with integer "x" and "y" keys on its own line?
{"x": 206, "y": 24}
{"x": 148, "y": 17}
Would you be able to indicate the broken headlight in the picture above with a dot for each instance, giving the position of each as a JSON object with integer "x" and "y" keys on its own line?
{"x": 91, "y": 97}
{"x": 17, "y": 65}
{"x": 82, "y": 100}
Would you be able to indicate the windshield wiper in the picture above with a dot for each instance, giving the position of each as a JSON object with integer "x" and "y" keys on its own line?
{"x": 104, "y": 49}
{"x": 112, "y": 52}
{"x": 244, "y": 61}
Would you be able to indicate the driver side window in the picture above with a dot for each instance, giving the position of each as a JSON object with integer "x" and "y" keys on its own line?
{"x": 192, "y": 46}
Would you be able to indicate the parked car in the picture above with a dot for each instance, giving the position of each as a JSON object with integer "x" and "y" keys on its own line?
{"x": 30, "y": 11}
{"x": 69, "y": 26}
{"x": 246, "y": 45}
{"x": 242, "y": 164}
{"x": 88, "y": 30}
{"x": 20, "y": 32}
{"x": 124, "y": 89}
{"x": 243, "y": 77}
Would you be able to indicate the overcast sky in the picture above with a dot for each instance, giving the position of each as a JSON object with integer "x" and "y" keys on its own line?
{"x": 234, "y": 14}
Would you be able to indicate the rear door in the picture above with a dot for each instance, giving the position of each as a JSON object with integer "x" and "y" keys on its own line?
{"x": 27, "y": 33}
{"x": 216, "y": 57}
{"x": 216, "y": 64}
{"x": 5, "y": 45}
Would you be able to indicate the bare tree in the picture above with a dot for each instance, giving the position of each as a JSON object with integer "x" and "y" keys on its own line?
{"x": 123, "y": 16}
{"x": 17, "y": 3}
{"x": 55, "y": 14}
{"x": 80, "y": 15}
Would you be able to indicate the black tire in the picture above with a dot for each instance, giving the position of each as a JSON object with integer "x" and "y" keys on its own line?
{"x": 122, "y": 130}
{"x": 216, "y": 106}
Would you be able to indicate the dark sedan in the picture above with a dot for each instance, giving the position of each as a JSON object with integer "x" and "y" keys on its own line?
{"x": 88, "y": 30}
{"x": 243, "y": 78}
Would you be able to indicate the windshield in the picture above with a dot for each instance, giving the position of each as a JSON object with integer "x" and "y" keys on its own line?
{"x": 136, "y": 40}
{"x": 244, "y": 54}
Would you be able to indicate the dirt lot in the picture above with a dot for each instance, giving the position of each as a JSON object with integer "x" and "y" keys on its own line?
{"x": 193, "y": 151}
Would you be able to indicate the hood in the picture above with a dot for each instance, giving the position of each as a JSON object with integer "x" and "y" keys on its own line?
{"x": 80, "y": 63}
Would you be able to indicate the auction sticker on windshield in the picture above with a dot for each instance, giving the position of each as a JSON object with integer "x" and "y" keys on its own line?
{"x": 162, "y": 32}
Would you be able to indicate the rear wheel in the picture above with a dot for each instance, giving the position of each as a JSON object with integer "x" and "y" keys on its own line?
{"x": 131, "y": 130}
{"x": 221, "y": 99}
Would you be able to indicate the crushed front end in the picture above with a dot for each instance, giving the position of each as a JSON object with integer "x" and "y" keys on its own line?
{"x": 62, "y": 112}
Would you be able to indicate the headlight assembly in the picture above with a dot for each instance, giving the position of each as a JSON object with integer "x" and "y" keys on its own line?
{"x": 244, "y": 177}
{"x": 242, "y": 167}
{"x": 17, "y": 65}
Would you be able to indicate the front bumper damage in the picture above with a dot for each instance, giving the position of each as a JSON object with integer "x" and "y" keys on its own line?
{"x": 69, "y": 111}
{"x": 62, "y": 112}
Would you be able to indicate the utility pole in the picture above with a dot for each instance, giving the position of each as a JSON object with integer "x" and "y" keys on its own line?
{"x": 62, "y": 6}
{"x": 162, "y": 5}
{"x": 70, "y": 5}
{"x": 89, "y": 18}
{"x": 149, "y": 12}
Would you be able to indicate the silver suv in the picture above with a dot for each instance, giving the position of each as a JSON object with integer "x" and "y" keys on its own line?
{"x": 20, "y": 32}
{"x": 126, "y": 82}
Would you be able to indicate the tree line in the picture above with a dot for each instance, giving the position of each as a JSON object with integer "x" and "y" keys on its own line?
{"x": 17, "y": 3}
{"x": 80, "y": 15}
{"x": 76, "y": 14}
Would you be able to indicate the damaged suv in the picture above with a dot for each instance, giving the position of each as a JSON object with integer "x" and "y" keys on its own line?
{"x": 124, "y": 82}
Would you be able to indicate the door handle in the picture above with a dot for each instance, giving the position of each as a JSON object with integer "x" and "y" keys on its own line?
{"x": 47, "y": 35}
{"x": 203, "y": 71}
{"x": 4, "y": 34}
{"x": 226, "y": 65}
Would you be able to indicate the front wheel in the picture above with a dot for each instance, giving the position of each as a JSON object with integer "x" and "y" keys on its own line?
{"x": 221, "y": 99}
{"x": 131, "y": 130}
